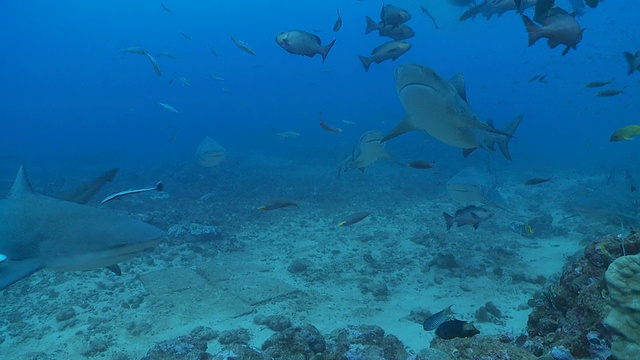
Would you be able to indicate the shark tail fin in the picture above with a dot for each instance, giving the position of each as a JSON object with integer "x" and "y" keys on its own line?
{"x": 326, "y": 49}
{"x": 631, "y": 60}
{"x": 448, "y": 220}
{"x": 510, "y": 129}
{"x": 371, "y": 25}
{"x": 403, "y": 127}
{"x": 366, "y": 62}
{"x": 535, "y": 32}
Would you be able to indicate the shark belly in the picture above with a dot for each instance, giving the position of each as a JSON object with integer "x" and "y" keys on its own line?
{"x": 434, "y": 114}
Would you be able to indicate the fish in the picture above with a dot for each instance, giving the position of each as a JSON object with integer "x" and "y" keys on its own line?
{"x": 276, "y": 204}
{"x": 40, "y": 232}
{"x": 609, "y": 92}
{"x": 287, "y": 135}
{"x": 165, "y": 7}
{"x": 154, "y": 63}
{"x": 470, "y": 215}
{"x": 522, "y": 229}
{"x": 139, "y": 50}
{"x": 543, "y": 9}
{"x": 388, "y": 51}
{"x": 625, "y": 133}
{"x": 597, "y": 84}
{"x": 420, "y": 164}
{"x": 213, "y": 52}
{"x": 393, "y": 15}
{"x": 84, "y": 193}
{"x": 559, "y": 28}
{"x": 578, "y": 7}
{"x": 535, "y": 77}
{"x": 300, "y": 42}
{"x": 217, "y": 78}
{"x": 166, "y": 54}
{"x": 168, "y": 107}
{"x": 354, "y": 218}
{"x": 243, "y": 46}
{"x": 401, "y": 32}
{"x": 456, "y": 329}
{"x": 633, "y": 60}
{"x": 327, "y": 127}
{"x": 439, "y": 108}
{"x": 338, "y": 24}
{"x": 426, "y": 12}
{"x": 537, "y": 181}
{"x": 210, "y": 153}
{"x": 435, "y": 320}
{"x": 488, "y": 8}
{"x": 157, "y": 187}
{"x": 474, "y": 185}
{"x": 368, "y": 151}
{"x": 185, "y": 35}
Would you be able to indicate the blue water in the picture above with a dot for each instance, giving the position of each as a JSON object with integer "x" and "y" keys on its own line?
{"x": 70, "y": 97}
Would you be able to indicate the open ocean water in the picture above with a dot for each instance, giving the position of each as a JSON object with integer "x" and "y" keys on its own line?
{"x": 278, "y": 197}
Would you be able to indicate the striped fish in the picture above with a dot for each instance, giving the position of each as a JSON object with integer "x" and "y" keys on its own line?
{"x": 433, "y": 321}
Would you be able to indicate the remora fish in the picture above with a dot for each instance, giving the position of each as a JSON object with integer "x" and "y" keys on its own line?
{"x": 558, "y": 27}
{"x": 367, "y": 153}
{"x": 338, "y": 24}
{"x": 158, "y": 187}
{"x": 165, "y": 7}
{"x": 633, "y": 60}
{"x": 139, "y": 50}
{"x": 39, "y": 232}
{"x": 537, "y": 181}
{"x": 300, "y": 42}
{"x": 439, "y": 108}
{"x": 609, "y": 92}
{"x": 388, "y": 51}
{"x": 426, "y": 12}
{"x": 401, "y": 32}
{"x": 168, "y": 107}
{"x": 471, "y": 215}
{"x": 154, "y": 63}
{"x": 597, "y": 84}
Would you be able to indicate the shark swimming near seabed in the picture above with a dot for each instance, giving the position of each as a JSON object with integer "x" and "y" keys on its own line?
{"x": 367, "y": 153}
{"x": 439, "y": 108}
{"x": 40, "y": 232}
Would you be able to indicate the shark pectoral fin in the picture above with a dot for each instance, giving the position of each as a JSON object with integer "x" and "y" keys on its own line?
{"x": 115, "y": 269}
{"x": 13, "y": 271}
{"x": 467, "y": 152}
{"x": 403, "y": 127}
{"x": 457, "y": 81}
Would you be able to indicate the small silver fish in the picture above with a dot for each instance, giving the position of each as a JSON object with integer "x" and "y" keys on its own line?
{"x": 158, "y": 187}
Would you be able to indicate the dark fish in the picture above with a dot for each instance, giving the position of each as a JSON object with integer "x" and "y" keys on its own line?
{"x": 463, "y": 2}
{"x": 633, "y": 60}
{"x": 277, "y": 204}
{"x": 329, "y": 128}
{"x": 537, "y": 181}
{"x": 300, "y": 42}
{"x": 393, "y": 15}
{"x": 592, "y": 3}
{"x": 471, "y": 215}
{"x": 558, "y": 27}
{"x": 354, "y": 218}
{"x": 213, "y": 51}
{"x": 542, "y": 9}
{"x": 426, "y": 12}
{"x": 387, "y": 51}
{"x": 420, "y": 164}
{"x": 165, "y": 7}
{"x": 535, "y": 77}
{"x": 597, "y": 84}
{"x": 338, "y": 24}
{"x": 609, "y": 93}
{"x": 186, "y": 36}
{"x": 158, "y": 187}
{"x": 456, "y": 329}
{"x": 435, "y": 320}
{"x": 401, "y": 32}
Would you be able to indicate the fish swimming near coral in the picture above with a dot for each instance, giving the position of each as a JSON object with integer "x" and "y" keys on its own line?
{"x": 456, "y": 329}
{"x": 439, "y": 108}
{"x": 39, "y": 232}
{"x": 367, "y": 153}
{"x": 471, "y": 215}
{"x": 474, "y": 185}
{"x": 435, "y": 320}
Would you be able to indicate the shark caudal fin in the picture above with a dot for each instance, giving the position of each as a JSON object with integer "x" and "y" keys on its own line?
{"x": 510, "y": 129}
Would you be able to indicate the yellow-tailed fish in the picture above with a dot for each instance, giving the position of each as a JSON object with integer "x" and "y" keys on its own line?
{"x": 354, "y": 218}
{"x": 625, "y": 133}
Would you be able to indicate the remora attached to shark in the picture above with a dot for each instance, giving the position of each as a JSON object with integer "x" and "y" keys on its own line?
{"x": 39, "y": 232}
{"x": 439, "y": 108}
{"x": 367, "y": 153}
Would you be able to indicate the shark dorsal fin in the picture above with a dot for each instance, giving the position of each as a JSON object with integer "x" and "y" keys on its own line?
{"x": 457, "y": 81}
{"x": 21, "y": 185}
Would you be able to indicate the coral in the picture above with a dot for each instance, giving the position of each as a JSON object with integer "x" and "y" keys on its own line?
{"x": 481, "y": 348}
{"x": 183, "y": 347}
{"x": 623, "y": 281}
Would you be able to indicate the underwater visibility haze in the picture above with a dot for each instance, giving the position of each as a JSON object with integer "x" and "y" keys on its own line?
{"x": 353, "y": 179}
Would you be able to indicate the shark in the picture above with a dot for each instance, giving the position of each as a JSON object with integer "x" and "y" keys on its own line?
{"x": 39, "y": 232}
{"x": 367, "y": 153}
{"x": 440, "y": 108}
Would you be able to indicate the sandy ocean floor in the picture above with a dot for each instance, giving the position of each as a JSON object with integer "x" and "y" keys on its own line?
{"x": 294, "y": 262}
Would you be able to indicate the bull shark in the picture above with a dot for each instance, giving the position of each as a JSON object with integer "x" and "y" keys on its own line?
{"x": 439, "y": 108}
{"x": 40, "y": 232}
{"x": 368, "y": 152}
